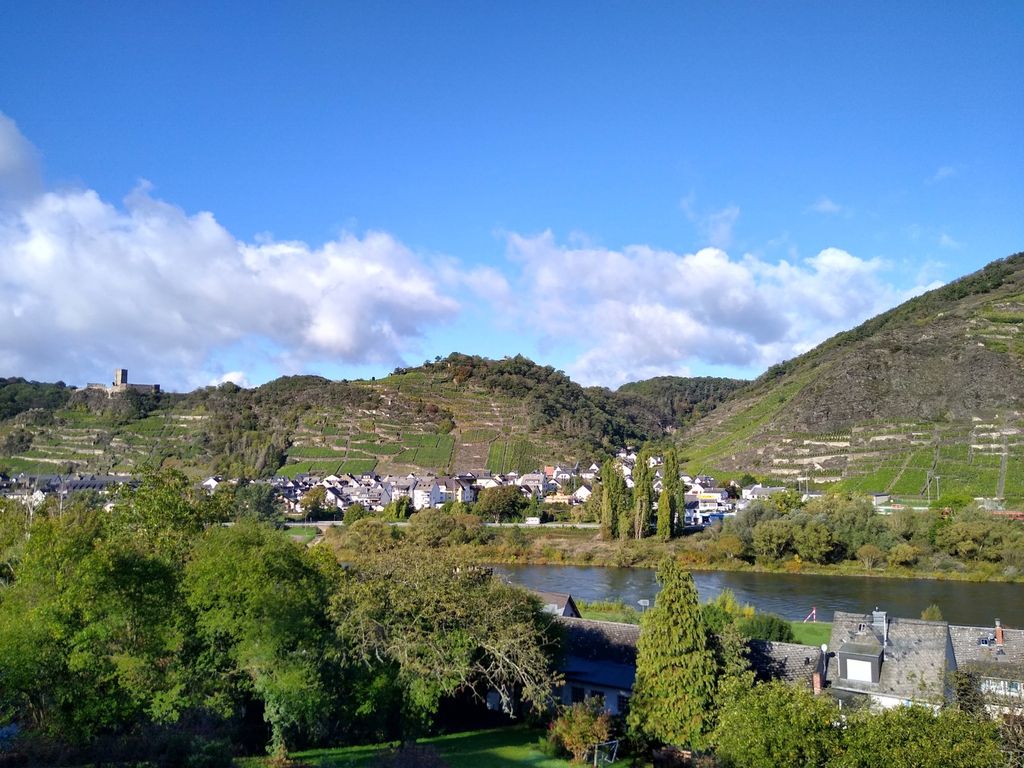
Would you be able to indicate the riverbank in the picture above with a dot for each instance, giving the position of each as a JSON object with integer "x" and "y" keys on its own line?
{"x": 533, "y": 545}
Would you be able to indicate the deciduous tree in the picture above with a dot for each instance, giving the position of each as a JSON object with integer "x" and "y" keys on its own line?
{"x": 778, "y": 725}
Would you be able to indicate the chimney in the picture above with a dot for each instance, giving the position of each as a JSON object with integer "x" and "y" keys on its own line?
{"x": 880, "y": 621}
{"x": 999, "y": 634}
{"x": 816, "y": 682}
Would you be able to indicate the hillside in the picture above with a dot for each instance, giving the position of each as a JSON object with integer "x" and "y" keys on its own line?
{"x": 934, "y": 387}
{"x": 460, "y": 413}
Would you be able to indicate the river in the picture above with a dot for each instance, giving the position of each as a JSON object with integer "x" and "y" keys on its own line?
{"x": 791, "y": 596}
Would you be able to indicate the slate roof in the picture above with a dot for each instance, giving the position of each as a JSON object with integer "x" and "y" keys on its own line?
{"x": 792, "y": 662}
{"x": 600, "y": 640}
{"x": 601, "y": 653}
{"x": 916, "y": 656}
{"x": 1005, "y": 661}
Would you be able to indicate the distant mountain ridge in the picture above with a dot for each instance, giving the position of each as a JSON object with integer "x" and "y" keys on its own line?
{"x": 460, "y": 413}
{"x": 933, "y": 387}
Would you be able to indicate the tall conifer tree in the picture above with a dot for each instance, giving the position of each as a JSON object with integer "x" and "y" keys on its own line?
{"x": 666, "y": 513}
{"x": 675, "y": 669}
{"x": 674, "y": 486}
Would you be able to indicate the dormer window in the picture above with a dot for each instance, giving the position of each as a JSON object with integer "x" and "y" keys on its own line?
{"x": 860, "y": 662}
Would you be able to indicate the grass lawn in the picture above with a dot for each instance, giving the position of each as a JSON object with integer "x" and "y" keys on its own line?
{"x": 814, "y": 633}
{"x": 499, "y": 748}
{"x": 303, "y": 535}
{"x": 609, "y": 610}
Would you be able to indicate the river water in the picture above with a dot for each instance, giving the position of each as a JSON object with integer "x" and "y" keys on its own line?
{"x": 791, "y": 596}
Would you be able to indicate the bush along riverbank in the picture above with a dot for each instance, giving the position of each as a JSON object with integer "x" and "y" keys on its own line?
{"x": 840, "y": 536}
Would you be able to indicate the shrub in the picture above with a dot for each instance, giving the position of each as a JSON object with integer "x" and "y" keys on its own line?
{"x": 580, "y": 726}
{"x": 767, "y": 626}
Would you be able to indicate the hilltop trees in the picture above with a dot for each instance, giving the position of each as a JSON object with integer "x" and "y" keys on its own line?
{"x": 675, "y": 675}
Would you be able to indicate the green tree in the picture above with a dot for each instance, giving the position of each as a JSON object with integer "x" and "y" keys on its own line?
{"x": 643, "y": 480}
{"x": 870, "y": 555}
{"x": 441, "y": 626}
{"x": 773, "y": 538}
{"x": 812, "y": 542}
{"x": 767, "y": 626}
{"x": 399, "y": 509}
{"x": 675, "y": 672}
{"x": 915, "y": 737}
{"x": 355, "y": 512}
{"x": 932, "y": 613}
{"x": 616, "y": 504}
{"x": 501, "y": 504}
{"x": 609, "y": 517}
{"x": 777, "y": 725}
{"x": 903, "y": 554}
{"x": 88, "y": 630}
{"x": 314, "y": 502}
{"x": 257, "y": 501}
{"x": 671, "y": 481}
{"x": 666, "y": 514}
{"x": 165, "y": 514}
{"x": 259, "y": 605}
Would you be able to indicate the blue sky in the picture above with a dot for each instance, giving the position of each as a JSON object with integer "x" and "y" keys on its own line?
{"x": 616, "y": 189}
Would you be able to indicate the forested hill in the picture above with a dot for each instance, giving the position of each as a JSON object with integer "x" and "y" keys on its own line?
{"x": 453, "y": 414}
{"x": 933, "y": 387}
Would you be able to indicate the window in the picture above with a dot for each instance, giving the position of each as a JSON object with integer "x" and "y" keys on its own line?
{"x": 859, "y": 670}
{"x": 578, "y": 694}
{"x": 622, "y": 703}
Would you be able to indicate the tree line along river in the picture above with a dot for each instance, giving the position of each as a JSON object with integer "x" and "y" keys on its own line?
{"x": 791, "y": 596}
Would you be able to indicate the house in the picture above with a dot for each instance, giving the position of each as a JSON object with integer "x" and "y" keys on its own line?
{"x": 458, "y": 489}
{"x": 581, "y": 494}
{"x": 489, "y": 481}
{"x": 426, "y": 494}
{"x": 558, "y": 604}
{"x": 210, "y": 484}
{"x": 889, "y": 661}
{"x": 591, "y": 473}
{"x": 761, "y": 492}
{"x": 535, "y": 481}
{"x": 401, "y": 487}
{"x": 994, "y": 656}
{"x": 335, "y": 496}
{"x": 798, "y": 664}
{"x": 599, "y": 660}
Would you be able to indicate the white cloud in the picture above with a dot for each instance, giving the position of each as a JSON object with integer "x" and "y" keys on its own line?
{"x": 942, "y": 173}
{"x": 715, "y": 227}
{"x": 235, "y": 377}
{"x": 826, "y": 206}
{"x": 87, "y": 285}
{"x": 643, "y": 312}
{"x": 947, "y": 241}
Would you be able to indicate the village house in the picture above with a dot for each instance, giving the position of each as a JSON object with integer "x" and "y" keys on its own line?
{"x": 894, "y": 661}
{"x": 458, "y": 489}
{"x": 426, "y": 494}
